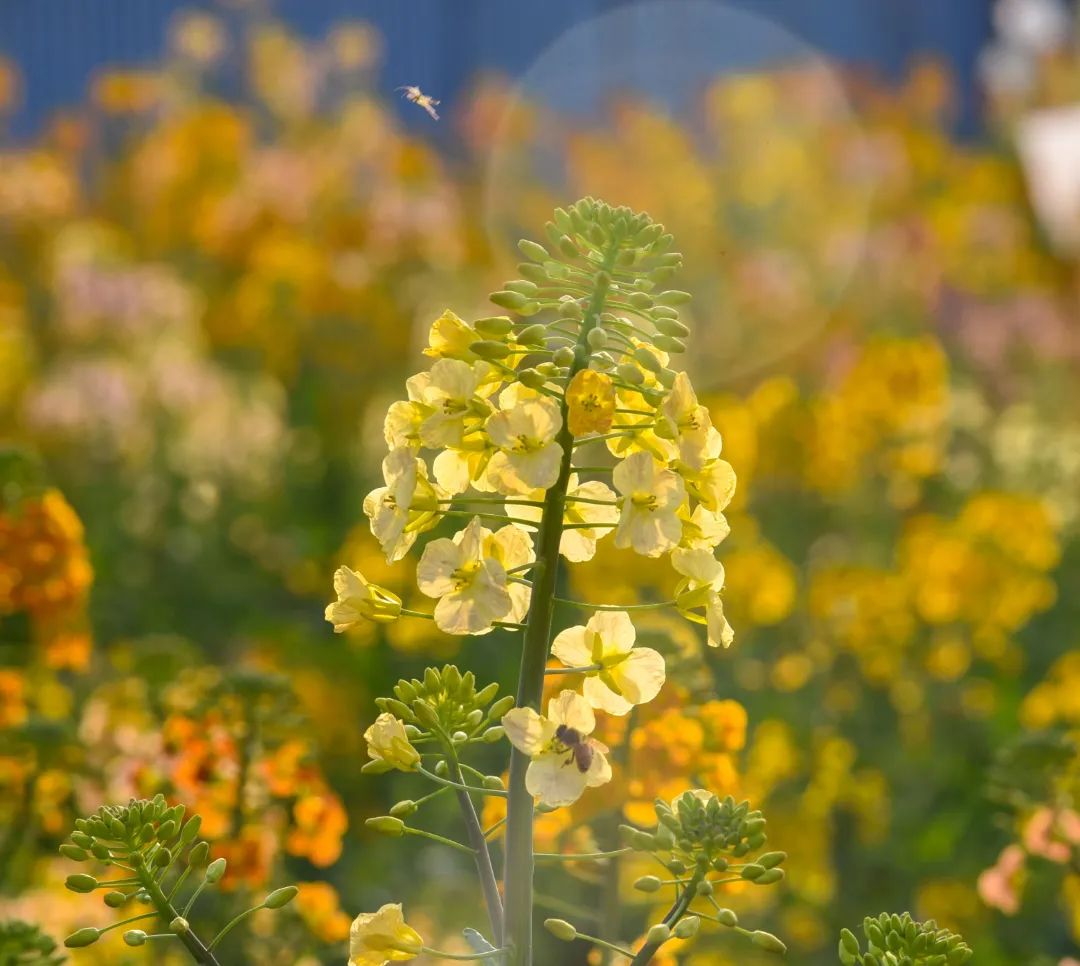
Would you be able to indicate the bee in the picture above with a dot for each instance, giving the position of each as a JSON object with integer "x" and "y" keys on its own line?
{"x": 581, "y": 752}
{"x": 417, "y": 96}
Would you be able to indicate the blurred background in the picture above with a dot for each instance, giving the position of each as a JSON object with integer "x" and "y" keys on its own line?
{"x": 224, "y": 234}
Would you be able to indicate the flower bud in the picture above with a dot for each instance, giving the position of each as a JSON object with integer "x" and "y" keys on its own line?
{"x": 114, "y": 900}
{"x": 705, "y": 888}
{"x": 752, "y": 871}
{"x": 533, "y": 250}
{"x": 74, "y": 853}
{"x": 531, "y": 378}
{"x": 490, "y": 349}
{"x": 494, "y": 783}
{"x": 387, "y": 825}
{"x": 669, "y": 343}
{"x": 493, "y": 734}
{"x": 658, "y": 934}
{"x": 771, "y": 859}
{"x": 500, "y": 707}
{"x": 493, "y": 325}
{"x": 597, "y": 339}
{"x": 648, "y": 883}
{"x": 673, "y": 297}
{"x": 135, "y": 937}
{"x": 647, "y": 359}
{"x": 280, "y": 897}
{"x": 81, "y": 883}
{"x": 163, "y": 858}
{"x": 83, "y": 937}
{"x": 214, "y": 871}
{"x": 561, "y": 929}
{"x": 727, "y": 917}
{"x": 687, "y": 928}
{"x": 180, "y": 926}
{"x": 404, "y": 808}
{"x": 630, "y": 373}
{"x": 769, "y": 876}
{"x": 768, "y": 942}
{"x": 672, "y": 327}
{"x": 563, "y": 356}
{"x": 533, "y": 335}
{"x": 508, "y": 300}
{"x": 198, "y": 855}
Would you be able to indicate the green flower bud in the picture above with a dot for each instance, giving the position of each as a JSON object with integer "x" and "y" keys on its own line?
{"x": 81, "y": 839}
{"x": 214, "y": 871}
{"x": 672, "y": 327}
{"x": 493, "y": 326}
{"x": 658, "y": 934}
{"x": 752, "y": 871}
{"x": 687, "y": 928}
{"x": 532, "y": 378}
{"x": 597, "y": 339}
{"x": 198, "y": 855}
{"x": 641, "y": 300}
{"x": 669, "y": 344}
{"x": 100, "y": 851}
{"x": 114, "y": 900}
{"x": 563, "y": 356}
{"x": 648, "y": 883}
{"x": 532, "y": 250}
{"x": 135, "y": 937}
{"x": 74, "y": 853}
{"x": 771, "y": 859}
{"x": 490, "y": 349}
{"x": 768, "y": 942}
{"x": 387, "y": 825}
{"x": 630, "y": 374}
{"x": 86, "y": 936}
{"x": 280, "y": 897}
{"x": 180, "y": 926}
{"x": 705, "y": 888}
{"x": 523, "y": 287}
{"x": 494, "y": 783}
{"x": 769, "y": 876}
{"x": 404, "y": 808}
{"x": 508, "y": 300}
{"x": 727, "y": 917}
{"x": 673, "y": 297}
{"x": 500, "y": 707}
{"x": 81, "y": 883}
{"x": 561, "y": 929}
{"x": 163, "y": 858}
{"x": 191, "y": 830}
{"x": 493, "y": 734}
{"x": 647, "y": 359}
{"x": 534, "y": 335}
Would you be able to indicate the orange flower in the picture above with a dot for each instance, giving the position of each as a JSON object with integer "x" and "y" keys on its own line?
{"x": 590, "y": 399}
{"x": 320, "y": 908}
{"x": 12, "y": 698}
{"x": 320, "y": 824}
{"x": 248, "y": 857}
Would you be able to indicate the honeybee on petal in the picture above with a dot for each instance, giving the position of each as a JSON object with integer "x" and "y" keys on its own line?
{"x": 581, "y": 751}
{"x": 417, "y": 96}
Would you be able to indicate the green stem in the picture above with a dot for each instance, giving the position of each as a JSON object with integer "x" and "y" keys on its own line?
{"x": 441, "y": 839}
{"x": 200, "y": 953}
{"x": 232, "y": 924}
{"x": 463, "y": 957}
{"x": 604, "y": 944}
{"x": 675, "y": 913}
{"x": 478, "y": 840}
{"x": 493, "y": 792}
{"x": 519, "y": 867}
{"x": 580, "y": 857}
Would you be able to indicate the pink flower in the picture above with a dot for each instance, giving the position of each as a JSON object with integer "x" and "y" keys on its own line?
{"x": 998, "y": 885}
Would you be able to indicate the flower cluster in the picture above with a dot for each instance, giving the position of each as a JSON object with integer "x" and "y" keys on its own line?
{"x": 24, "y": 944}
{"x": 905, "y": 942}
{"x": 159, "y": 851}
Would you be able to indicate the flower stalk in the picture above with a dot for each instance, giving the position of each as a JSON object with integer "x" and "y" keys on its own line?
{"x": 536, "y": 642}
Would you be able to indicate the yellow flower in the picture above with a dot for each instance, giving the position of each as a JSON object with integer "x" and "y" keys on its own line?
{"x": 565, "y": 760}
{"x": 684, "y": 420}
{"x": 450, "y": 338}
{"x": 378, "y": 938}
{"x": 590, "y": 400}
{"x": 652, "y": 494}
{"x": 528, "y": 456}
{"x": 388, "y": 744}
{"x": 359, "y": 600}
{"x": 625, "y": 675}
{"x": 470, "y": 583}
{"x": 704, "y": 579}
{"x": 403, "y": 507}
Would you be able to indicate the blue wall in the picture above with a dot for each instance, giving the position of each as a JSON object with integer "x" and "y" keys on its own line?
{"x": 439, "y": 44}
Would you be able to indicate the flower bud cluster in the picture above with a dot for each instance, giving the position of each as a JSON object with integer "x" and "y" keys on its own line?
{"x": 448, "y": 701}
{"x": 698, "y": 829}
{"x": 24, "y": 944}
{"x": 898, "y": 940}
